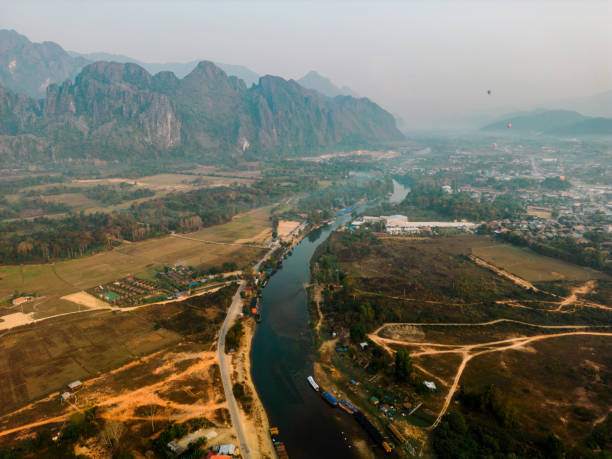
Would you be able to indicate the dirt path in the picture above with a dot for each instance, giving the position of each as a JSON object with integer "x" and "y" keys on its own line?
{"x": 468, "y": 352}
{"x": 517, "y": 280}
{"x": 123, "y": 405}
{"x": 32, "y": 425}
{"x": 204, "y": 241}
{"x": 479, "y": 324}
{"x": 584, "y": 289}
{"x": 15, "y": 320}
{"x": 517, "y": 343}
{"x": 318, "y": 299}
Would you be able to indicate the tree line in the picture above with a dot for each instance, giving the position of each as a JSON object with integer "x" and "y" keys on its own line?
{"x": 44, "y": 239}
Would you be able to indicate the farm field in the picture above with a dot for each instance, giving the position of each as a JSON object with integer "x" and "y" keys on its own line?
{"x": 142, "y": 370}
{"x": 142, "y": 258}
{"x": 45, "y": 357}
{"x": 173, "y": 385}
{"x": 160, "y": 184}
{"x": 529, "y": 265}
{"x": 169, "y": 182}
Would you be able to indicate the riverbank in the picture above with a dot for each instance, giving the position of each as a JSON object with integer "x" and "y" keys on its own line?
{"x": 256, "y": 425}
{"x": 255, "y": 422}
{"x": 253, "y": 426}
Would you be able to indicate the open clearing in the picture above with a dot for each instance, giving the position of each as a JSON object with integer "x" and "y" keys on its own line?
{"x": 172, "y": 385}
{"x": 529, "y": 265}
{"x": 285, "y": 228}
{"x": 141, "y": 258}
{"x": 85, "y": 299}
{"x": 169, "y": 182}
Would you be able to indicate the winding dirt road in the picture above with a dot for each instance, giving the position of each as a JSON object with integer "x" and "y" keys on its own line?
{"x": 469, "y": 351}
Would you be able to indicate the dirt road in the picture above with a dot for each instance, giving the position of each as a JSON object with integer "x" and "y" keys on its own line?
{"x": 468, "y": 352}
{"x": 517, "y": 342}
{"x": 517, "y": 280}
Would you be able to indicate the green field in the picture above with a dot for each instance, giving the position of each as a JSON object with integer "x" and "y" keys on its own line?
{"x": 141, "y": 258}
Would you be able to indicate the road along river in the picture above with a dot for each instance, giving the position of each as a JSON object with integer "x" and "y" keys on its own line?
{"x": 282, "y": 356}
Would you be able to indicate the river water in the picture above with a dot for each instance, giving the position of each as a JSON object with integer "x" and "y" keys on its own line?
{"x": 282, "y": 356}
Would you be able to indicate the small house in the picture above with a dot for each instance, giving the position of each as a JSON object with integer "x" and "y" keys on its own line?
{"x": 75, "y": 385}
{"x": 227, "y": 449}
{"x": 21, "y": 300}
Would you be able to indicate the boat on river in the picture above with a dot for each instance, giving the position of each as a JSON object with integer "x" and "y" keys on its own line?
{"x": 329, "y": 398}
{"x": 313, "y": 383}
{"x": 279, "y": 446}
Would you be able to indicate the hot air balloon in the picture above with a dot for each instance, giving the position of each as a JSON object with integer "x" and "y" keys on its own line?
{"x": 509, "y": 125}
{"x": 494, "y": 145}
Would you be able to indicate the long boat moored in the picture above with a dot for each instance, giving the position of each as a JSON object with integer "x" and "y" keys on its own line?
{"x": 313, "y": 383}
{"x": 329, "y": 398}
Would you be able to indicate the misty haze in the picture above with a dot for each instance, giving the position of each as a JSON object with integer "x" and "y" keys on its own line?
{"x": 305, "y": 229}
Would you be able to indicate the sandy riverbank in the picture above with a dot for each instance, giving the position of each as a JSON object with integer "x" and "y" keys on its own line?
{"x": 256, "y": 422}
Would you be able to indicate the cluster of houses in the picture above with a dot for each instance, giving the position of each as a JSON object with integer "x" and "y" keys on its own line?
{"x": 400, "y": 224}
{"x": 537, "y": 228}
{"x": 72, "y": 388}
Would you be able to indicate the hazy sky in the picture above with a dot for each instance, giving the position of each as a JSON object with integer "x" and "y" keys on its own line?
{"x": 420, "y": 59}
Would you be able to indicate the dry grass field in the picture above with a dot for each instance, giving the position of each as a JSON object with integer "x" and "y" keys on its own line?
{"x": 529, "y": 265}
{"x": 143, "y": 369}
{"x": 142, "y": 258}
{"x": 285, "y": 228}
{"x": 76, "y": 201}
{"x": 465, "y": 326}
{"x": 44, "y": 357}
{"x": 563, "y": 383}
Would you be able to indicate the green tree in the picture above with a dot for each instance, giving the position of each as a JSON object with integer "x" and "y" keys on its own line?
{"x": 403, "y": 365}
{"x": 358, "y": 332}
{"x": 366, "y": 313}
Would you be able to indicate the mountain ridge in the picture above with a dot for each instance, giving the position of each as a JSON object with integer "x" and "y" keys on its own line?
{"x": 552, "y": 122}
{"x": 316, "y": 81}
{"x": 117, "y": 109}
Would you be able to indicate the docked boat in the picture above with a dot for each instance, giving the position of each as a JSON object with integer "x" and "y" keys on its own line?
{"x": 313, "y": 383}
{"x": 348, "y": 406}
{"x": 279, "y": 446}
{"x": 329, "y": 398}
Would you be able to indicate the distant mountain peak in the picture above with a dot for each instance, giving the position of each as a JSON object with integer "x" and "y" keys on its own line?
{"x": 316, "y": 81}
{"x": 113, "y": 72}
{"x": 552, "y": 122}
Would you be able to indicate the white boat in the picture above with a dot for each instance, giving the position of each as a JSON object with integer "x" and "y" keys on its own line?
{"x": 312, "y": 382}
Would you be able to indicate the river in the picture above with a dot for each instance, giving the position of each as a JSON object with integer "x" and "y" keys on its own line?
{"x": 282, "y": 356}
